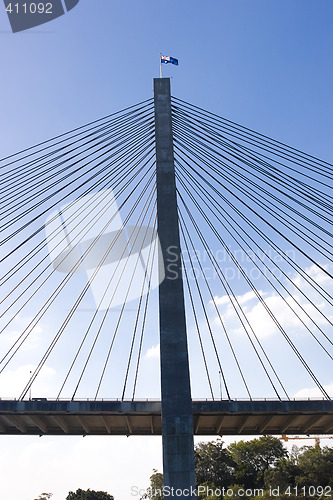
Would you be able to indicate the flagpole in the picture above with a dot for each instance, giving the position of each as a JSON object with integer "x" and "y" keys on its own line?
{"x": 161, "y": 65}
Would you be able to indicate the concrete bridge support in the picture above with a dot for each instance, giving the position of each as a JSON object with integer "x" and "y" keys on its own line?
{"x": 177, "y": 419}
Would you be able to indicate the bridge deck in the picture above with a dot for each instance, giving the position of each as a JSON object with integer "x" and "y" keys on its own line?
{"x": 42, "y": 416}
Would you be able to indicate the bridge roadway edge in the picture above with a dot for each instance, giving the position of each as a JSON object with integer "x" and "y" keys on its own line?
{"x": 40, "y": 416}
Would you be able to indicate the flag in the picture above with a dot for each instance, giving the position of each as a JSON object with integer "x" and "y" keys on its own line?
{"x": 168, "y": 59}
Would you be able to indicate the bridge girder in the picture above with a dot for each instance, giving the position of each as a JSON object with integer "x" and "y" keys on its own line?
{"x": 143, "y": 418}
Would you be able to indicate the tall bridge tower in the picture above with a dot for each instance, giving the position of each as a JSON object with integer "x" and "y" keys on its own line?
{"x": 177, "y": 420}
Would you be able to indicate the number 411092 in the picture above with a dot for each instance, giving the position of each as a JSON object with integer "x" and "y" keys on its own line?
{"x": 29, "y": 8}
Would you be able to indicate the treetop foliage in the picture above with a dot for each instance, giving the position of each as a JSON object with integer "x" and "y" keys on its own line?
{"x": 88, "y": 495}
{"x": 261, "y": 466}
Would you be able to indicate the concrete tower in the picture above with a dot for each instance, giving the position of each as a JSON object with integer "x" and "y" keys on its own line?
{"x": 177, "y": 419}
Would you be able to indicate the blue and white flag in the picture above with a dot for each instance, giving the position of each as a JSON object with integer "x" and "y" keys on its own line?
{"x": 168, "y": 59}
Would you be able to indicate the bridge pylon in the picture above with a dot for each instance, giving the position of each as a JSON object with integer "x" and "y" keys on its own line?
{"x": 177, "y": 417}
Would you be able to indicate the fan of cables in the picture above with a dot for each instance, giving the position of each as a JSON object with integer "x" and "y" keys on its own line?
{"x": 80, "y": 253}
{"x": 78, "y": 236}
{"x": 256, "y": 224}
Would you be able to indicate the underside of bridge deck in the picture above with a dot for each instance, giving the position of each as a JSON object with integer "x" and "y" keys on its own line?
{"x": 49, "y": 417}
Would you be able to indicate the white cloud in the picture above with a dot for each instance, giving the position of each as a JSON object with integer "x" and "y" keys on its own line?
{"x": 219, "y": 301}
{"x": 281, "y": 307}
{"x": 37, "y": 329}
{"x": 12, "y": 382}
{"x": 18, "y": 325}
{"x": 314, "y": 392}
{"x": 316, "y": 274}
{"x": 256, "y": 314}
{"x": 242, "y": 299}
{"x": 153, "y": 352}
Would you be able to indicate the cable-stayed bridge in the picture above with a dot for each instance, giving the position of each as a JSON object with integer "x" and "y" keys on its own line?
{"x": 95, "y": 288}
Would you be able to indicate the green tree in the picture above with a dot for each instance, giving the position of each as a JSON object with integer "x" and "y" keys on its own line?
{"x": 259, "y": 464}
{"x": 88, "y": 495}
{"x": 316, "y": 466}
{"x": 155, "y": 490}
{"x": 44, "y": 496}
{"x": 268, "y": 496}
{"x": 213, "y": 464}
{"x": 209, "y": 493}
{"x": 253, "y": 458}
{"x": 283, "y": 474}
{"x": 237, "y": 491}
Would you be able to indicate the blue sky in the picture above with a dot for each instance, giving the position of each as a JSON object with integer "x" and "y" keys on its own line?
{"x": 264, "y": 64}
